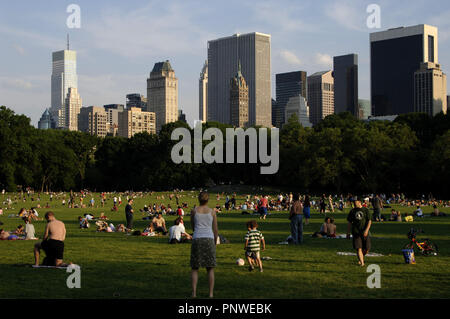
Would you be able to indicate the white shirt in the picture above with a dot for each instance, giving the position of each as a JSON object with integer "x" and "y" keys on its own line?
{"x": 175, "y": 232}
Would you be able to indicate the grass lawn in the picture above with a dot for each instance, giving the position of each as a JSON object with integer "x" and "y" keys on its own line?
{"x": 114, "y": 265}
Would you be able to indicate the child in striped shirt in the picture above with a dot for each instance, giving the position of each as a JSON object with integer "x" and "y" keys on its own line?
{"x": 253, "y": 240}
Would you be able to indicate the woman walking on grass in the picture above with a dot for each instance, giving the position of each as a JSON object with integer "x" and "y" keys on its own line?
{"x": 203, "y": 249}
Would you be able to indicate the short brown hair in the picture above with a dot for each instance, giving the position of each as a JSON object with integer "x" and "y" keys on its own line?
{"x": 252, "y": 224}
{"x": 48, "y": 214}
{"x": 203, "y": 198}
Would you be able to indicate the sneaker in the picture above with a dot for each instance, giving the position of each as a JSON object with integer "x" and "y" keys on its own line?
{"x": 251, "y": 268}
{"x": 261, "y": 270}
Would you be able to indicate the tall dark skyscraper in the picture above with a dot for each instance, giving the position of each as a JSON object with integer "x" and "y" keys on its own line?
{"x": 224, "y": 54}
{"x": 289, "y": 85}
{"x": 395, "y": 55}
{"x": 346, "y": 83}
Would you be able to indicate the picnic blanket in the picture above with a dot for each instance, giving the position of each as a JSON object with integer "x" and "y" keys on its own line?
{"x": 347, "y": 253}
{"x": 59, "y": 267}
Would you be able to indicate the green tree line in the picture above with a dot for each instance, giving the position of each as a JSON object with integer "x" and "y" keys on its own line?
{"x": 340, "y": 154}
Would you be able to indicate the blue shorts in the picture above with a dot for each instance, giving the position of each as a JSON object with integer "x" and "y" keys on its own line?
{"x": 307, "y": 212}
{"x": 263, "y": 210}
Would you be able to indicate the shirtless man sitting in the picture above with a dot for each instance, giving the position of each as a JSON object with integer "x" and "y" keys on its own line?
{"x": 53, "y": 242}
{"x": 159, "y": 224}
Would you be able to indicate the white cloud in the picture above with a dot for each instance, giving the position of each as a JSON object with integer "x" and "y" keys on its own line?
{"x": 148, "y": 31}
{"x": 324, "y": 60}
{"x": 290, "y": 57}
{"x": 347, "y": 15}
{"x": 18, "y": 49}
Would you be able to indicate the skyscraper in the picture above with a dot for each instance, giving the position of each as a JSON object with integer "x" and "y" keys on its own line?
{"x": 320, "y": 95}
{"x": 72, "y": 109}
{"x": 203, "y": 93}
{"x": 162, "y": 94}
{"x": 345, "y": 73}
{"x": 64, "y": 76}
{"x": 93, "y": 120}
{"x": 288, "y": 85}
{"x": 253, "y": 50}
{"x": 430, "y": 89}
{"x": 395, "y": 55}
{"x": 239, "y": 100}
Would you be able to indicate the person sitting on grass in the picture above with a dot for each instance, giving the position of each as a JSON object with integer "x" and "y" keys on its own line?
{"x": 177, "y": 233}
{"x": 327, "y": 229}
{"x": 159, "y": 224}
{"x": 52, "y": 243}
{"x": 19, "y": 230}
{"x": 4, "y": 235}
{"x": 29, "y": 229}
{"x": 359, "y": 222}
{"x": 83, "y": 222}
{"x": 418, "y": 212}
{"x": 252, "y": 247}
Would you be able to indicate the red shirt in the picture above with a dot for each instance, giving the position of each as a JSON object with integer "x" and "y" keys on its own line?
{"x": 263, "y": 202}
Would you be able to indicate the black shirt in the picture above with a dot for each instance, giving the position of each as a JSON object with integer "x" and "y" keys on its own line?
{"x": 128, "y": 209}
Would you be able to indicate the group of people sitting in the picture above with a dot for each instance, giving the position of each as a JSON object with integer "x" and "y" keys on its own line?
{"x": 327, "y": 229}
{"x": 26, "y": 232}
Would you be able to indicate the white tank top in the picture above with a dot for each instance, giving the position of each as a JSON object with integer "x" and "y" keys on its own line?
{"x": 203, "y": 225}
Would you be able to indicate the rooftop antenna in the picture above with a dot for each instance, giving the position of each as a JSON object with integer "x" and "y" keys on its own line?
{"x": 68, "y": 47}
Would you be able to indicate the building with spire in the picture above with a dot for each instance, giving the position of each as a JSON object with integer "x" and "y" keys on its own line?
{"x": 203, "y": 93}
{"x": 64, "y": 76}
{"x": 239, "y": 102}
{"x": 162, "y": 94}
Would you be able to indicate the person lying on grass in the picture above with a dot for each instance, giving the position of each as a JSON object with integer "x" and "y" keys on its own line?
{"x": 52, "y": 243}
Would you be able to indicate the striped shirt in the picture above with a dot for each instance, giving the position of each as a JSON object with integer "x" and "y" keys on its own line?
{"x": 254, "y": 238}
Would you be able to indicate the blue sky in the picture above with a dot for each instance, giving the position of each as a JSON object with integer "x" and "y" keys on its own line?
{"x": 119, "y": 42}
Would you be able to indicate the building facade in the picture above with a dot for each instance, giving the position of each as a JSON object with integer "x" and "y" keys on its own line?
{"x": 298, "y": 105}
{"x": 239, "y": 103}
{"x": 64, "y": 76}
{"x": 162, "y": 94}
{"x": 289, "y": 85}
{"x": 345, "y": 73}
{"x": 253, "y": 51}
{"x": 72, "y": 109}
{"x": 112, "y": 118}
{"x": 430, "y": 89}
{"x": 320, "y": 95}
{"x": 136, "y": 100}
{"x": 203, "y": 93}
{"x": 365, "y": 109}
{"x": 134, "y": 120}
{"x": 93, "y": 120}
{"x": 46, "y": 121}
{"x": 395, "y": 55}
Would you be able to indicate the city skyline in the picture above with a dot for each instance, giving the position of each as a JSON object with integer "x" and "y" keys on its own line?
{"x": 108, "y": 71}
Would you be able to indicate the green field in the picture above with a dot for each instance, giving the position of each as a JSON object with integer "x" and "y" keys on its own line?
{"x": 114, "y": 265}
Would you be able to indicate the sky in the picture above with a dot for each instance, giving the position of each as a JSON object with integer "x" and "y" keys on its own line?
{"x": 118, "y": 42}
